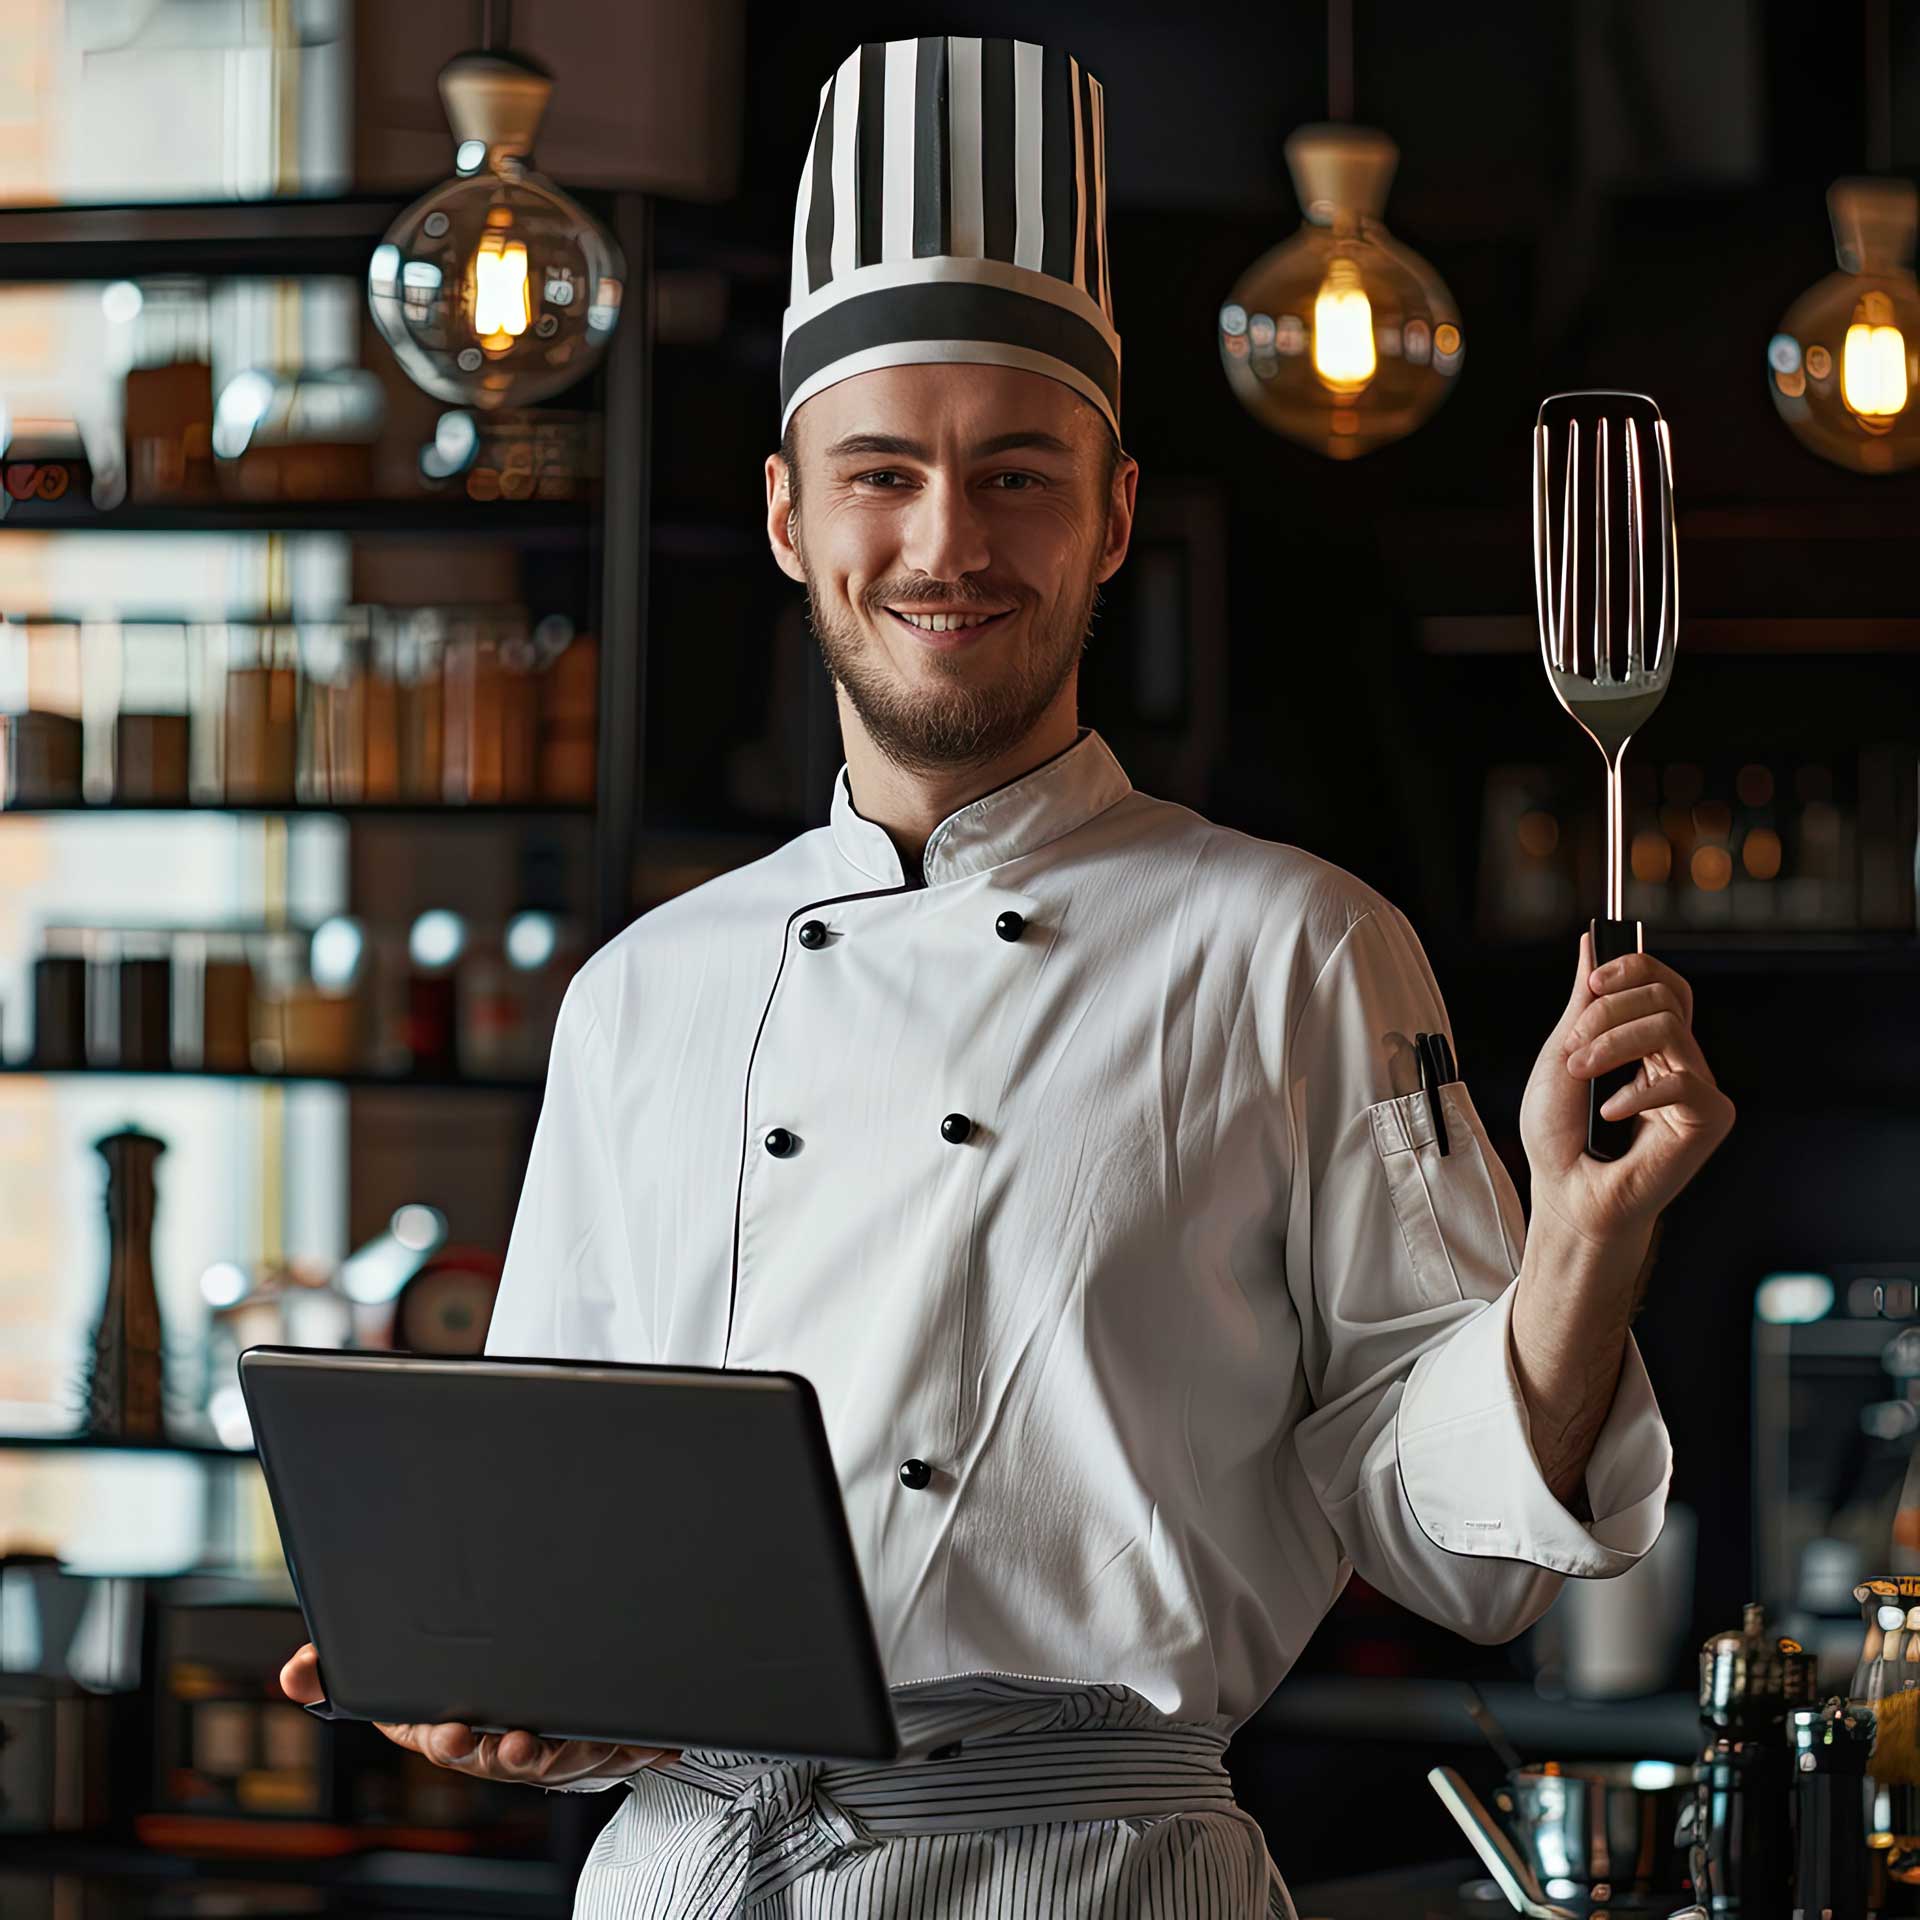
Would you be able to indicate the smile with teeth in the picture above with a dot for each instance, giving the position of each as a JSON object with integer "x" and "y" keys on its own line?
{"x": 945, "y": 622}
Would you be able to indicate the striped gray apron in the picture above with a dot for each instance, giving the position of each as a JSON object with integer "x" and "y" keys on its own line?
{"x": 1016, "y": 1798}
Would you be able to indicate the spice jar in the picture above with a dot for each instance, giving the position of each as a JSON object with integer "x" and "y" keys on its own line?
{"x": 143, "y": 1003}
{"x": 412, "y": 641}
{"x": 492, "y": 710}
{"x": 261, "y": 691}
{"x": 60, "y": 1004}
{"x": 42, "y": 736}
{"x": 569, "y": 713}
{"x": 168, "y": 403}
{"x": 152, "y": 734}
{"x": 330, "y": 762}
{"x": 299, "y": 1025}
{"x": 226, "y": 1004}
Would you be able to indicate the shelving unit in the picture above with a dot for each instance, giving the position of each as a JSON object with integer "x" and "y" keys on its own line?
{"x": 602, "y": 540}
{"x": 336, "y": 235}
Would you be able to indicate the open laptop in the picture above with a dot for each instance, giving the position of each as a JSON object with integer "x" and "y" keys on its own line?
{"x": 653, "y": 1555}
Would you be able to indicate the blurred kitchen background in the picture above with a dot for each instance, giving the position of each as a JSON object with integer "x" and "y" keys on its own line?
{"x": 340, "y": 719}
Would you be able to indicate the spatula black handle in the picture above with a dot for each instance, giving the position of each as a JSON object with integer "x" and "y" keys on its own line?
{"x": 1609, "y": 1139}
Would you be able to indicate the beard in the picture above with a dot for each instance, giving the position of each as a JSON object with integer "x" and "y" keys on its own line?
{"x": 954, "y": 724}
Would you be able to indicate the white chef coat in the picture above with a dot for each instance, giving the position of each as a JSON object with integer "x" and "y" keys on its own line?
{"x": 1193, "y": 1321}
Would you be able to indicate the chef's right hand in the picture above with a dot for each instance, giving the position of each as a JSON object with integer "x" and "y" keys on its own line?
{"x": 521, "y": 1757}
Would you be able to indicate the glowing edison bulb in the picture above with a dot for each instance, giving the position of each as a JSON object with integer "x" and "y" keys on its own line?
{"x": 1873, "y": 361}
{"x": 497, "y": 281}
{"x": 1343, "y": 329}
{"x": 1841, "y": 365}
{"x": 495, "y": 289}
{"x": 1340, "y": 338}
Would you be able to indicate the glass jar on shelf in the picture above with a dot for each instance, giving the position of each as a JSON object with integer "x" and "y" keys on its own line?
{"x": 376, "y": 709}
{"x": 492, "y": 708}
{"x": 225, "y": 1002}
{"x": 259, "y": 705}
{"x": 60, "y": 973}
{"x": 298, "y": 436}
{"x": 42, "y": 733}
{"x": 140, "y": 1002}
{"x": 331, "y": 759}
{"x": 168, "y": 399}
{"x": 415, "y": 644}
{"x": 152, "y": 724}
{"x": 569, "y": 670}
{"x": 301, "y": 1025}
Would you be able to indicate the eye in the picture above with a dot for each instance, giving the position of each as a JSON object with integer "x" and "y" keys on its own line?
{"x": 1016, "y": 482}
{"x": 884, "y": 477}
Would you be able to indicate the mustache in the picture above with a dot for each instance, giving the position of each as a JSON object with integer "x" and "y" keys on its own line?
{"x": 923, "y": 586}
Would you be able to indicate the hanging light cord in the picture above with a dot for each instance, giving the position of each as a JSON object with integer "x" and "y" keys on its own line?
{"x": 1339, "y": 59}
{"x": 1879, "y": 88}
{"x": 486, "y": 10}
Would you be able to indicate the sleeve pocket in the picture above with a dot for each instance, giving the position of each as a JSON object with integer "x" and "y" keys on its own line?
{"x": 1458, "y": 1213}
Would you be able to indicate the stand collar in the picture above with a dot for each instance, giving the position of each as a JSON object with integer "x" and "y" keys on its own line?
{"x": 1019, "y": 818}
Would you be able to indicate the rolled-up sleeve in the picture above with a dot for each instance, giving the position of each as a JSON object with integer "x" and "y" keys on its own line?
{"x": 1402, "y": 1262}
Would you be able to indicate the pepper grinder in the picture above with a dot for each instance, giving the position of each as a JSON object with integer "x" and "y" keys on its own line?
{"x": 1830, "y": 1744}
{"x": 124, "y": 1400}
{"x": 1742, "y": 1830}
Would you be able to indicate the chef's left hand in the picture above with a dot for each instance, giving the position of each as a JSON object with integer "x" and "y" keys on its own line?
{"x": 1633, "y": 1008}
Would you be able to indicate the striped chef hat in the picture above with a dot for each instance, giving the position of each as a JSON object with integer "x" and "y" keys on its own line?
{"x": 953, "y": 208}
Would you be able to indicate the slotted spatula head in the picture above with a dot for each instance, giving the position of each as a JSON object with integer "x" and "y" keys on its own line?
{"x": 1605, "y": 558}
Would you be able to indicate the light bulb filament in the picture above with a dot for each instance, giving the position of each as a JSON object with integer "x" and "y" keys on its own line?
{"x": 1343, "y": 353}
{"x": 1873, "y": 371}
{"x": 502, "y": 298}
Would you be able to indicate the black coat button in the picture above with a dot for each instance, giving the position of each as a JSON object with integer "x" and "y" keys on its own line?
{"x": 813, "y": 933}
{"x": 779, "y": 1142}
{"x": 1010, "y": 925}
{"x": 915, "y": 1473}
{"x": 957, "y": 1128}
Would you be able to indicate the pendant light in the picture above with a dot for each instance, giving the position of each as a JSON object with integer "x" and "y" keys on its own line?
{"x": 1844, "y": 362}
{"x": 1341, "y": 338}
{"x": 496, "y": 288}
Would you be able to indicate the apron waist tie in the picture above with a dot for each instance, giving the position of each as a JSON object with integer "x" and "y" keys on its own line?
{"x": 782, "y": 1818}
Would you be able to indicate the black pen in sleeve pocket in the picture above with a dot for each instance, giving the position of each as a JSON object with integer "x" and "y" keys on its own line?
{"x": 1436, "y": 1062}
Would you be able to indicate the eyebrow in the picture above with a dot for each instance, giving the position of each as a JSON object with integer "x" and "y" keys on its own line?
{"x": 901, "y": 446}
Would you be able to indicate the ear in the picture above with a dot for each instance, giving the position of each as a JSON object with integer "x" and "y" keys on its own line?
{"x": 1126, "y": 483}
{"x": 780, "y": 519}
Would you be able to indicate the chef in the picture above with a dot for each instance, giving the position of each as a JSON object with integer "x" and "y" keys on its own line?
{"x": 1072, "y": 1146}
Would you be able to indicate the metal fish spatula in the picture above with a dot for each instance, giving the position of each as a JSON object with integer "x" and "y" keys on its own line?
{"x": 1603, "y": 522}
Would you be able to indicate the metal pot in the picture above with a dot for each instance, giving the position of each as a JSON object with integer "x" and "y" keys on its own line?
{"x": 1605, "y": 1828}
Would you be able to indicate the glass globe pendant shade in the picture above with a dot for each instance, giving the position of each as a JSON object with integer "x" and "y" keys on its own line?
{"x": 1844, "y": 365}
{"x": 1341, "y": 338}
{"x": 495, "y": 289}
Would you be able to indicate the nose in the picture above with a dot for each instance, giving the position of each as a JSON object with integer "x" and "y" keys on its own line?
{"x": 945, "y": 536}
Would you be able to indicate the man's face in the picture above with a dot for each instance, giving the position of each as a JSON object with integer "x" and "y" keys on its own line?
{"x": 952, "y": 527}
